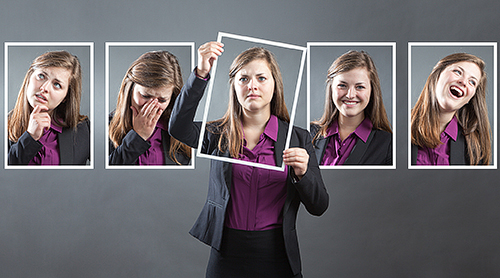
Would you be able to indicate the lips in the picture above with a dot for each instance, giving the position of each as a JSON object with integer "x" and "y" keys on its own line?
{"x": 253, "y": 96}
{"x": 350, "y": 102}
{"x": 456, "y": 92}
{"x": 41, "y": 98}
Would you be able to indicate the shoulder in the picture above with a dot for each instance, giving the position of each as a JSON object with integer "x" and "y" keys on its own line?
{"x": 83, "y": 126}
{"x": 314, "y": 129}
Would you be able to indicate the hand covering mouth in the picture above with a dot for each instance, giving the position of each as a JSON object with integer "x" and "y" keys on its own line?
{"x": 456, "y": 92}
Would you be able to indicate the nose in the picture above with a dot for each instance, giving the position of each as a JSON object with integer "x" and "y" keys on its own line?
{"x": 44, "y": 87}
{"x": 462, "y": 80}
{"x": 351, "y": 93}
{"x": 252, "y": 84}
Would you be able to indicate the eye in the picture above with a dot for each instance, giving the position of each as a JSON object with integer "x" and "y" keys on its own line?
{"x": 40, "y": 76}
{"x": 360, "y": 87}
{"x": 162, "y": 100}
{"x": 243, "y": 79}
{"x": 473, "y": 82}
{"x": 341, "y": 86}
{"x": 144, "y": 96}
{"x": 262, "y": 78}
{"x": 58, "y": 85}
{"x": 458, "y": 72}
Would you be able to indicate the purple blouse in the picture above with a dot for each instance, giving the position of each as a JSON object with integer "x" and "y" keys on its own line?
{"x": 49, "y": 154}
{"x": 440, "y": 155}
{"x": 337, "y": 151}
{"x": 154, "y": 155}
{"x": 257, "y": 195}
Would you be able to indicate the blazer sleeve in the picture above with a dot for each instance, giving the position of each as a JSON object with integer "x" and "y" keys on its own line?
{"x": 128, "y": 152}
{"x": 182, "y": 126}
{"x": 311, "y": 189}
{"x": 24, "y": 150}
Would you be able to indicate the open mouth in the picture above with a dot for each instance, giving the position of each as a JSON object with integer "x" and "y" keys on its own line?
{"x": 456, "y": 92}
{"x": 41, "y": 97}
{"x": 350, "y": 102}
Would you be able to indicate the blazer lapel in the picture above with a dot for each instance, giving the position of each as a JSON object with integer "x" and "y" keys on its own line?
{"x": 359, "y": 150}
{"x": 414, "y": 153}
{"x": 65, "y": 140}
{"x": 457, "y": 150}
{"x": 320, "y": 147}
{"x": 279, "y": 145}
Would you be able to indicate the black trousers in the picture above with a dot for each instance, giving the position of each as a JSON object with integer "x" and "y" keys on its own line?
{"x": 250, "y": 254}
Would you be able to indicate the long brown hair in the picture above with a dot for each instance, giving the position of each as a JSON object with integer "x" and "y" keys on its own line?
{"x": 152, "y": 70}
{"x": 230, "y": 125}
{"x": 67, "y": 112}
{"x": 375, "y": 109}
{"x": 472, "y": 117}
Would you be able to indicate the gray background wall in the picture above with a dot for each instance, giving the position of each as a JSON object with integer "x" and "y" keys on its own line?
{"x": 134, "y": 223}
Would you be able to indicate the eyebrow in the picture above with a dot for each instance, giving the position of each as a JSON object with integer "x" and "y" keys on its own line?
{"x": 56, "y": 79}
{"x": 150, "y": 95}
{"x": 466, "y": 71}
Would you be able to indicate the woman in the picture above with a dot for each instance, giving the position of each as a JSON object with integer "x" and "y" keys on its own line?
{"x": 449, "y": 122}
{"x": 354, "y": 129}
{"x": 45, "y": 127}
{"x": 249, "y": 216}
{"x": 138, "y": 128}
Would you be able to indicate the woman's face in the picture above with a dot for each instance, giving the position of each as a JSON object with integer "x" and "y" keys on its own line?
{"x": 48, "y": 87}
{"x": 351, "y": 92}
{"x": 456, "y": 85}
{"x": 254, "y": 86}
{"x": 142, "y": 95}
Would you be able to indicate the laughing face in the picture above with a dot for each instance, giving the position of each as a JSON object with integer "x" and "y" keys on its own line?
{"x": 48, "y": 87}
{"x": 456, "y": 85}
{"x": 351, "y": 92}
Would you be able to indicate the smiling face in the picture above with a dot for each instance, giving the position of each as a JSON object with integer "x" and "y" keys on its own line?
{"x": 456, "y": 85}
{"x": 141, "y": 95}
{"x": 48, "y": 87}
{"x": 254, "y": 86}
{"x": 351, "y": 93}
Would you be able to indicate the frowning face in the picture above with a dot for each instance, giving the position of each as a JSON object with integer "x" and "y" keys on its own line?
{"x": 254, "y": 86}
{"x": 456, "y": 85}
{"x": 48, "y": 87}
{"x": 141, "y": 95}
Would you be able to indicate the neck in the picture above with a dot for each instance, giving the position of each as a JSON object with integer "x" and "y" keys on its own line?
{"x": 255, "y": 119}
{"x": 444, "y": 119}
{"x": 348, "y": 125}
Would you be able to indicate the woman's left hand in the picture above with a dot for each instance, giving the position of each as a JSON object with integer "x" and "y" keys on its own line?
{"x": 298, "y": 158}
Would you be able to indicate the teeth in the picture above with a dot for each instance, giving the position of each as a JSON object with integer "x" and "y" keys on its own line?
{"x": 350, "y": 102}
{"x": 41, "y": 96}
{"x": 456, "y": 92}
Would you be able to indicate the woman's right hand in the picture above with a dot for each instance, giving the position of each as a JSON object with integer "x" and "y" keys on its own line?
{"x": 207, "y": 54}
{"x": 144, "y": 121}
{"x": 39, "y": 120}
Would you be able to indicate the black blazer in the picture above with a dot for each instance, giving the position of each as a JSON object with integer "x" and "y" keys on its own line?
{"x": 209, "y": 226}
{"x": 458, "y": 151}
{"x": 376, "y": 151}
{"x": 74, "y": 146}
{"x": 133, "y": 146}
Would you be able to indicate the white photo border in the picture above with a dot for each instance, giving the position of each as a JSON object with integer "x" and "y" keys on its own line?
{"x": 106, "y": 138}
{"x": 356, "y": 44}
{"x": 91, "y": 116}
{"x": 493, "y": 126}
{"x": 294, "y": 106}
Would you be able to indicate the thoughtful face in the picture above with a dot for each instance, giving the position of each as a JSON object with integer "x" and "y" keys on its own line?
{"x": 48, "y": 87}
{"x": 254, "y": 86}
{"x": 141, "y": 95}
{"x": 456, "y": 85}
{"x": 351, "y": 92}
